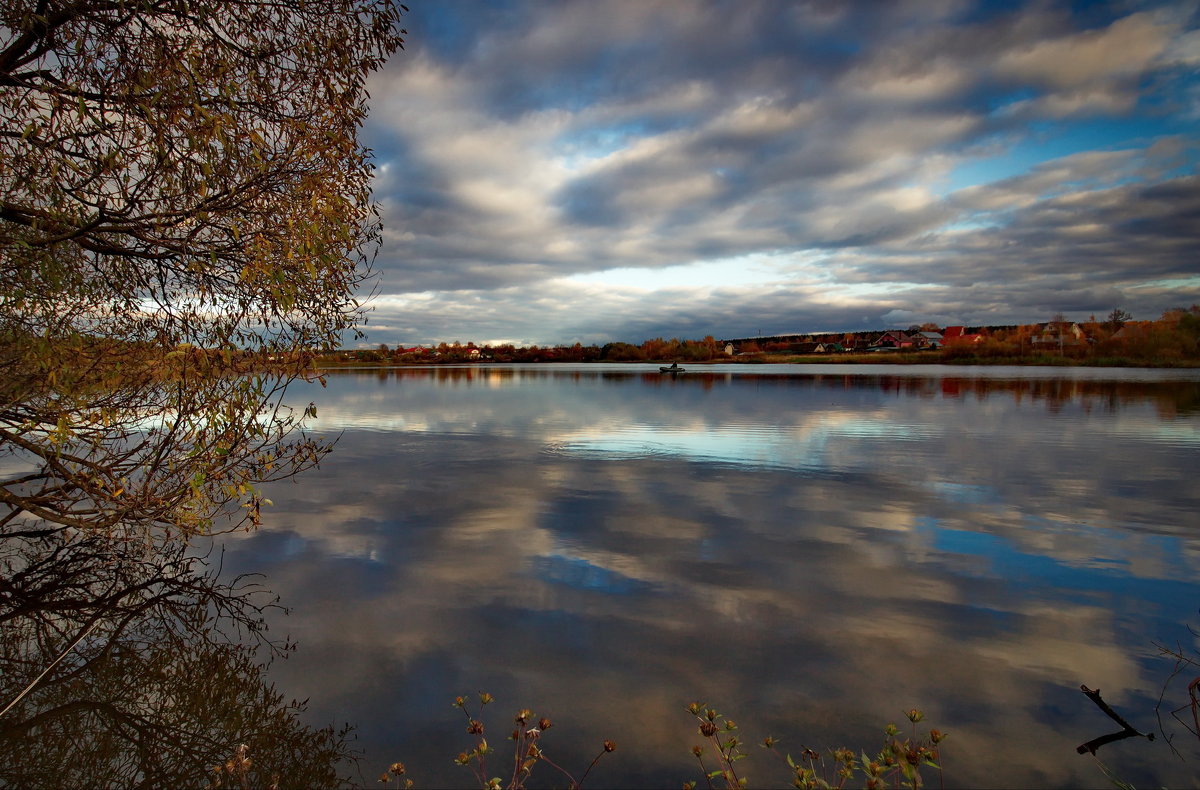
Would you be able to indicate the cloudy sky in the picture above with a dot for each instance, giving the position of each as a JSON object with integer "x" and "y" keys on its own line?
{"x": 598, "y": 170}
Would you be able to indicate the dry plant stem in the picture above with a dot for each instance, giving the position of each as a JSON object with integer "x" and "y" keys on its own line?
{"x": 561, "y": 770}
{"x": 481, "y": 771}
{"x": 731, "y": 777}
{"x": 517, "y": 751}
{"x": 1182, "y": 662}
{"x": 725, "y": 760}
{"x": 704, "y": 771}
{"x": 574, "y": 784}
{"x": 1195, "y": 704}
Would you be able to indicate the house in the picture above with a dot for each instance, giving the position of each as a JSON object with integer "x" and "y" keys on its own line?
{"x": 932, "y": 340}
{"x": 958, "y": 335}
{"x": 894, "y": 340}
{"x": 1058, "y": 333}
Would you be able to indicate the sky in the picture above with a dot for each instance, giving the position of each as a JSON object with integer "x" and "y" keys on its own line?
{"x": 617, "y": 170}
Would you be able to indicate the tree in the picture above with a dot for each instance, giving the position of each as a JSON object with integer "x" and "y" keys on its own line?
{"x": 181, "y": 180}
{"x": 622, "y": 352}
{"x": 184, "y": 208}
{"x": 1117, "y": 318}
{"x": 187, "y": 170}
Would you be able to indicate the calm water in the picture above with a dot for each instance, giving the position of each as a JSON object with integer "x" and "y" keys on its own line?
{"x": 811, "y": 550}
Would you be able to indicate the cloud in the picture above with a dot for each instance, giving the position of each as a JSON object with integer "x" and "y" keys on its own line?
{"x": 534, "y": 143}
{"x": 1125, "y": 48}
{"x": 1079, "y": 234}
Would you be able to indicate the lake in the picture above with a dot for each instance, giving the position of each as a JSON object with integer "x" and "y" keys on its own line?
{"x": 811, "y": 550}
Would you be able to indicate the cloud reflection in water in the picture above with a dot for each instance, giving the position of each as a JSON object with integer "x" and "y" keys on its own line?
{"x": 802, "y": 447}
{"x": 812, "y": 554}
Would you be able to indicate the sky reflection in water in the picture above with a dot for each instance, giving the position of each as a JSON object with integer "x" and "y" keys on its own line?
{"x": 812, "y": 554}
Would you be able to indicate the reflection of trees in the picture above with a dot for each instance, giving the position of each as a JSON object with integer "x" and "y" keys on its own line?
{"x": 134, "y": 441}
{"x": 1171, "y": 398}
{"x": 131, "y": 667}
{"x": 124, "y": 659}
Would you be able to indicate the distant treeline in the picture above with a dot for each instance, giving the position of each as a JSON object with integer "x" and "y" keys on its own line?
{"x": 706, "y": 350}
{"x": 1173, "y": 339}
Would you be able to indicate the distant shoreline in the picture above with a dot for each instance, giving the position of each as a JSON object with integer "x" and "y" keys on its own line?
{"x": 1172, "y": 341}
{"x": 898, "y": 358}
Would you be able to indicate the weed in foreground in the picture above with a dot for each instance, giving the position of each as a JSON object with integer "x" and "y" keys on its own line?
{"x": 527, "y": 752}
{"x": 898, "y": 763}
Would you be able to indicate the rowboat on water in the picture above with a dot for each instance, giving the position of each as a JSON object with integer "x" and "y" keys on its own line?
{"x": 672, "y": 368}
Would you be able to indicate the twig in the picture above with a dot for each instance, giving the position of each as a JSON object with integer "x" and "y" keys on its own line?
{"x": 53, "y": 664}
{"x": 1180, "y": 662}
{"x": 1126, "y": 730}
{"x": 573, "y": 785}
{"x": 1193, "y": 687}
{"x": 609, "y": 746}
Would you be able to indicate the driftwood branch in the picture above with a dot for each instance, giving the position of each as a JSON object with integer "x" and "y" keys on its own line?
{"x": 1126, "y": 731}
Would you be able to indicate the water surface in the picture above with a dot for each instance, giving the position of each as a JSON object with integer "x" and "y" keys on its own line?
{"x": 812, "y": 550}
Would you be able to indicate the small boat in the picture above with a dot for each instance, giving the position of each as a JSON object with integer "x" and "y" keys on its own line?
{"x": 672, "y": 368}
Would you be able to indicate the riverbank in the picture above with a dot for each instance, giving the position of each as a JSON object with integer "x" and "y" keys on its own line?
{"x": 940, "y": 358}
{"x": 333, "y": 362}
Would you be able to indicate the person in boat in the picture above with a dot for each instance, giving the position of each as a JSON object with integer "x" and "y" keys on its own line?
{"x": 674, "y": 366}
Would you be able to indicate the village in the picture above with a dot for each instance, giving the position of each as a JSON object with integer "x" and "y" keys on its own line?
{"x": 1173, "y": 339}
